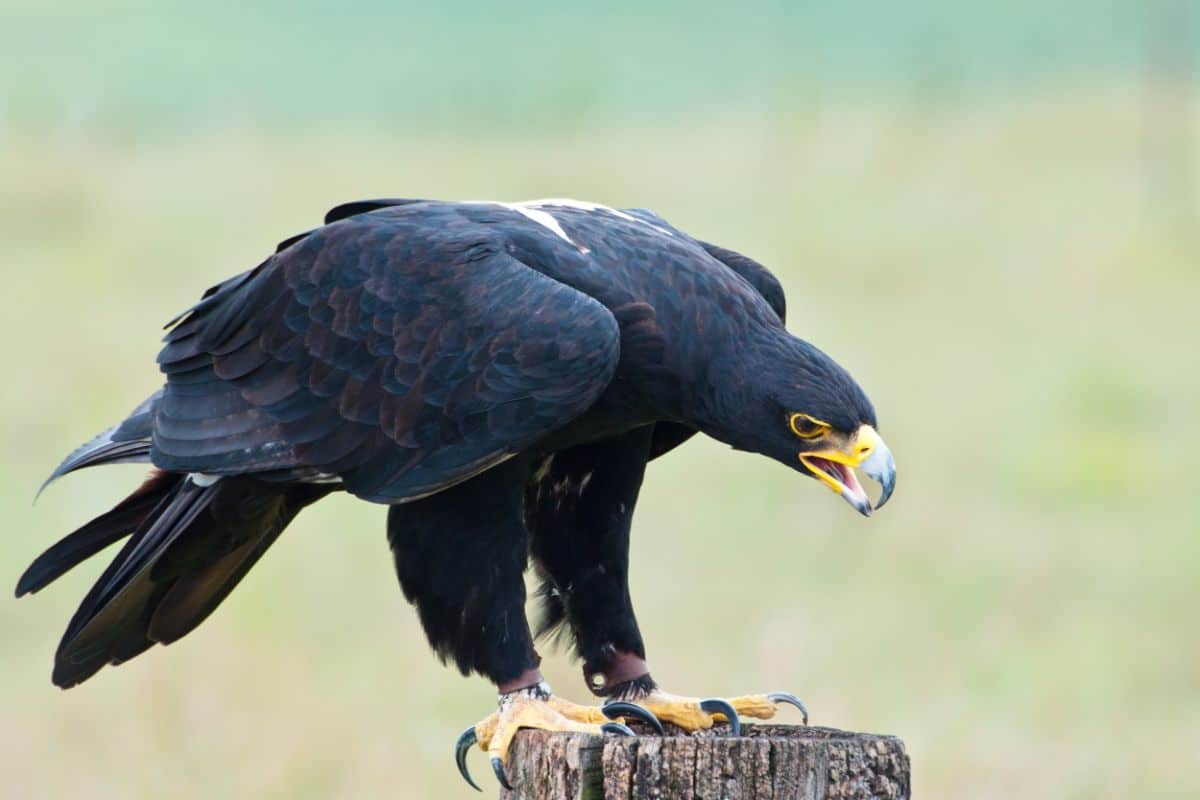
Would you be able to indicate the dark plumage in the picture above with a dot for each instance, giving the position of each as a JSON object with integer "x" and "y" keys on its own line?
{"x": 500, "y": 375}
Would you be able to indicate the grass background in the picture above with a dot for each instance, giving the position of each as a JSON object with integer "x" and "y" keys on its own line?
{"x": 988, "y": 214}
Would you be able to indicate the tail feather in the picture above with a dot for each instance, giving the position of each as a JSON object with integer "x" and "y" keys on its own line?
{"x": 189, "y": 552}
{"x": 197, "y": 594}
{"x": 189, "y": 546}
{"x": 125, "y": 443}
{"x": 169, "y": 520}
{"x": 253, "y": 515}
{"x": 119, "y": 522}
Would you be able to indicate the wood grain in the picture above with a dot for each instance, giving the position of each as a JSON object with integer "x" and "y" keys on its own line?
{"x": 767, "y": 762}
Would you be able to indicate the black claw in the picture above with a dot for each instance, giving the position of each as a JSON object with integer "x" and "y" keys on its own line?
{"x": 498, "y": 768}
{"x": 620, "y": 709}
{"x": 616, "y": 727}
{"x": 791, "y": 700}
{"x": 715, "y": 705}
{"x": 466, "y": 740}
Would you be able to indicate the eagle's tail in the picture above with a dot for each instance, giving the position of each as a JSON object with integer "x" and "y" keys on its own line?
{"x": 126, "y": 442}
{"x": 189, "y": 546}
{"x": 112, "y": 526}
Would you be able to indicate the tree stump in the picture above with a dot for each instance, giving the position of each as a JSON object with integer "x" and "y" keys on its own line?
{"x": 767, "y": 762}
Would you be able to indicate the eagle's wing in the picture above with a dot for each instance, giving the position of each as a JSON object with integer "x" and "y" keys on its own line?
{"x": 394, "y": 355}
{"x": 758, "y": 276}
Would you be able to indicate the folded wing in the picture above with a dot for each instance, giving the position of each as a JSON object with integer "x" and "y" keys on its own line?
{"x": 394, "y": 356}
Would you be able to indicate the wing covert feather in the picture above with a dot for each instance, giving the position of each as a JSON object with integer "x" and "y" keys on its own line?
{"x": 398, "y": 357}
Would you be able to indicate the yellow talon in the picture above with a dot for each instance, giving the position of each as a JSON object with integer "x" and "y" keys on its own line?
{"x": 549, "y": 714}
{"x": 684, "y": 712}
{"x": 577, "y": 712}
{"x": 537, "y": 708}
{"x": 687, "y": 712}
{"x": 756, "y": 706}
{"x": 530, "y": 709}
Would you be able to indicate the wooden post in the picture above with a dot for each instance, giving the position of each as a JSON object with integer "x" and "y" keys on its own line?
{"x": 767, "y": 762}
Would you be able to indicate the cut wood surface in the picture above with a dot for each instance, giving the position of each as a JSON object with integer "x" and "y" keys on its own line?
{"x": 767, "y": 762}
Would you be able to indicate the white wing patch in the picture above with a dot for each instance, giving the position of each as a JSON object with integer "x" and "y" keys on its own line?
{"x": 540, "y": 217}
{"x": 535, "y": 211}
{"x": 578, "y": 205}
{"x": 583, "y": 205}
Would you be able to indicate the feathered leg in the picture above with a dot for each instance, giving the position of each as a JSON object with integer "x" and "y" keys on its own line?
{"x": 460, "y": 557}
{"x": 579, "y": 505}
{"x": 579, "y": 509}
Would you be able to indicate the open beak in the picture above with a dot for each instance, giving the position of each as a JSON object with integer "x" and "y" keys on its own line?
{"x": 836, "y": 469}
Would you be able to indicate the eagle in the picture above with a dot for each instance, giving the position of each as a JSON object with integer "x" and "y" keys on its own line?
{"x": 498, "y": 375}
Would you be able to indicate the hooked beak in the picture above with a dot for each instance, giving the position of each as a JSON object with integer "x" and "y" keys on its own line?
{"x": 865, "y": 451}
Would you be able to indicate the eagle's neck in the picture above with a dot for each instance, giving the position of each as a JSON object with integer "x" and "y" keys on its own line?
{"x": 749, "y": 386}
{"x": 736, "y": 378}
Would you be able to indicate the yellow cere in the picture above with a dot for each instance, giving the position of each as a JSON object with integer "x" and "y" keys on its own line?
{"x": 864, "y": 443}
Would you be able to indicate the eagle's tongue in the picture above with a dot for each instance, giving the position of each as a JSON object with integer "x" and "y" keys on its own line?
{"x": 854, "y": 491}
{"x": 848, "y": 478}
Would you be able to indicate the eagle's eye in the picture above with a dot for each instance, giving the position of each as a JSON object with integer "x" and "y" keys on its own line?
{"x": 807, "y": 427}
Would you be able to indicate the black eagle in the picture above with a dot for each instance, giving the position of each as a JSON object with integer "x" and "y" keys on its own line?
{"x": 498, "y": 374}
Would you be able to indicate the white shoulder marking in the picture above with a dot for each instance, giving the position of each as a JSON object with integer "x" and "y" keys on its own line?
{"x": 583, "y": 205}
{"x": 540, "y": 217}
{"x": 534, "y": 210}
{"x": 202, "y": 479}
{"x": 578, "y": 205}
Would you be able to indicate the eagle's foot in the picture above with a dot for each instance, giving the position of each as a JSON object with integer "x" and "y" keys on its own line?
{"x": 693, "y": 714}
{"x": 536, "y": 707}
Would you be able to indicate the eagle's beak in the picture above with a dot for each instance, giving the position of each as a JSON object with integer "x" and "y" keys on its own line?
{"x": 835, "y": 468}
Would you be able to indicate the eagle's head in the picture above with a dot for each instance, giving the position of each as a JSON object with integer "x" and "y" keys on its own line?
{"x": 784, "y": 398}
{"x": 831, "y": 455}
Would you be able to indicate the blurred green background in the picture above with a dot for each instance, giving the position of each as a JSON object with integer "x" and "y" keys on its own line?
{"x": 988, "y": 212}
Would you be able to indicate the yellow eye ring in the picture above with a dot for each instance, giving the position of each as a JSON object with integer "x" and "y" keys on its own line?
{"x": 807, "y": 427}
